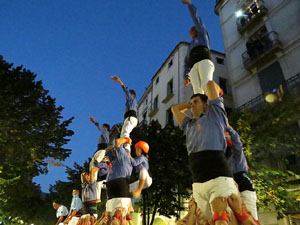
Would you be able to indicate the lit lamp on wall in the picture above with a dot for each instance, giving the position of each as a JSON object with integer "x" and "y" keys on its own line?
{"x": 275, "y": 95}
{"x": 238, "y": 13}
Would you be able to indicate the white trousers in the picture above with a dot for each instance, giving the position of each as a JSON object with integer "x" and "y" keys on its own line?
{"x": 128, "y": 125}
{"x": 114, "y": 203}
{"x": 74, "y": 220}
{"x": 200, "y": 74}
{"x": 249, "y": 197}
{"x": 144, "y": 175}
{"x": 98, "y": 156}
{"x": 205, "y": 193}
{"x": 99, "y": 186}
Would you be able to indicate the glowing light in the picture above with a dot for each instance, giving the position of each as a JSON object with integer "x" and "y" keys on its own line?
{"x": 238, "y": 13}
{"x": 270, "y": 98}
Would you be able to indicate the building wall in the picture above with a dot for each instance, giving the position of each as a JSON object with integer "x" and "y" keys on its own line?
{"x": 181, "y": 93}
{"x": 283, "y": 17}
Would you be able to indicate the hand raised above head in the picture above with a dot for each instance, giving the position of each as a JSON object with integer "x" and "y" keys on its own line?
{"x": 92, "y": 119}
{"x": 188, "y": 2}
{"x": 115, "y": 78}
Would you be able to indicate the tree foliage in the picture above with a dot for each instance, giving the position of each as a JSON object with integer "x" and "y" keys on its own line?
{"x": 31, "y": 130}
{"x": 168, "y": 162}
{"x": 270, "y": 136}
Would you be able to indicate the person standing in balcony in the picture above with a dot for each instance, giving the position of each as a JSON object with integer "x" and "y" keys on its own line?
{"x": 199, "y": 68}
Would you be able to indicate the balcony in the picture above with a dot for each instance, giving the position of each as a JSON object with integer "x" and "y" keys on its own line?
{"x": 260, "y": 50}
{"x": 154, "y": 109}
{"x": 251, "y": 16}
{"x": 169, "y": 96}
{"x": 257, "y": 102}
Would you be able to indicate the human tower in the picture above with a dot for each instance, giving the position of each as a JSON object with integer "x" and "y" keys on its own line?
{"x": 223, "y": 193}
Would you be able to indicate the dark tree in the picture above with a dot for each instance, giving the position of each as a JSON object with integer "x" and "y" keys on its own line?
{"x": 31, "y": 130}
{"x": 271, "y": 138}
{"x": 168, "y": 162}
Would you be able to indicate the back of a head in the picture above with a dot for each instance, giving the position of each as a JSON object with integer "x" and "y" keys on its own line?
{"x": 193, "y": 32}
{"x": 107, "y": 126}
{"x": 132, "y": 92}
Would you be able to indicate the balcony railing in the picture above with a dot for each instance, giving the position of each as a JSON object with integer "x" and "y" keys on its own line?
{"x": 251, "y": 16}
{"x": 261, "y": 48}
{"x": 256, "y": 102}
{"x": 153, "y": 109}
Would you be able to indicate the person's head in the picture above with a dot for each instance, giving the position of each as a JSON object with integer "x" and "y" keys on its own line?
{"x": 85, "y": 177}
{"x": 75, "y": 192}
{"x": 193, "y": 32}
{"x": 132, "y": 92}
{"x": 106, "y": 126}
{"x": 198, "y": 104}
{"x": 141, "y": 148}
{"x": 56, "y": 204}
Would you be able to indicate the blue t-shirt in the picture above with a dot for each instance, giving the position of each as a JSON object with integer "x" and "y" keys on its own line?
{"x": 201, "y": 39}
{"x": 103, "y": 168}
{"x": 89, "y": 192}
{"x": 120, "y": 164}
{"x": 76, "y": 203}
{"x": 140, "y": 162}
{"x": 130, "y": 101}
{"x": 207, "y": 132}
{"x": 238, "y": 160}
{"x": 104, "y": 137}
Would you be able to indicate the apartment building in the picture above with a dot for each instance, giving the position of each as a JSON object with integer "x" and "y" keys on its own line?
{"x": 166, "y": 87}
{"x": 262, "y": 46}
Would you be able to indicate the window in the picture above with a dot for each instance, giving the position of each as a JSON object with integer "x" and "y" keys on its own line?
{"x": 169, "y": 118}
{"x": 155, "y": 104}
{"x": 157, "y": 80}
{"x": 170, "y": 63}
{"x": 220, "y": 60}
{"x": 170, "y": 87}
{"x": 223, "y": 84}
{"x": 144, "y": 118}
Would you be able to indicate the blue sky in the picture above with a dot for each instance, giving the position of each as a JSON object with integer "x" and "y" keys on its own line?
{"x": 75, "y": 45}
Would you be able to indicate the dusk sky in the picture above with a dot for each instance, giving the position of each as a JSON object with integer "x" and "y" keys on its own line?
{"x": 74, "y": 46}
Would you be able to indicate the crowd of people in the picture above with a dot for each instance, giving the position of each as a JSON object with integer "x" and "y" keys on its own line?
{"x": 222, "y": 190}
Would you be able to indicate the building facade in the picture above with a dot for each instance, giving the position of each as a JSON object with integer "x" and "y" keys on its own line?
{"x": 167, "y": 87}
{"x": 262, "y": 46}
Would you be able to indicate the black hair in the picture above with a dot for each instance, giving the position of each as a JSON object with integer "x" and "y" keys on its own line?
{"x": 194, "y": 29}
{"x": 57, "y": 201}
{"x": 107, "y": 126}
{"x": 201, "y": 96}
{"x": 132, "y": 92}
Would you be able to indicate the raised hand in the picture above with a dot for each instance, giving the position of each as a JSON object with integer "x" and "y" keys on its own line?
{"x": 92, "y": 119}
{"x": 115, "y": 78}
{"x": 188, "y": 2}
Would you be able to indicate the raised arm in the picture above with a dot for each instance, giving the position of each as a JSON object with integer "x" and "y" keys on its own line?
{"x": 137, "y": 161}
{"x": 121, "y": 141}
{"x": 92, "y": 176}
{"x": 178, "y": 111}
{"x": 125, "y": 89}
{"x": 213, "y": 90}
{"x": 235, "y": 138}
{"x": 197, "y": 20}
{"x": 117, "y": 79}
